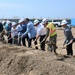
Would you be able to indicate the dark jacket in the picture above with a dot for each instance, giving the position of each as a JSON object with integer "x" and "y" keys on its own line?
{"x": 1, "y": 27}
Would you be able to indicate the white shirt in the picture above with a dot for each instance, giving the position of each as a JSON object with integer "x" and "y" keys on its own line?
{"x": 41, "y": 30}
{"x": 14, "y": 32}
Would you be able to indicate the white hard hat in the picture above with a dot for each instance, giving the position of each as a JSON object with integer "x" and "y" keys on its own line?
{"x": 63, "y": 22}
{"x": 3, "y": 22}
{"x": 36, "y": 21}
{"x": 13, "y": 23}
{"x": 8, "y": 21}
{"x": 21, "y": 20}
{"x": 44, "y": 21}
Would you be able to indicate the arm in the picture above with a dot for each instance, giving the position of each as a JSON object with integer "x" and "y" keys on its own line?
{"x": 47, "y": 34}
{"x": 28, "y": 29}
{"x": 38, "y": 33}
{"x": 67, "y": 34}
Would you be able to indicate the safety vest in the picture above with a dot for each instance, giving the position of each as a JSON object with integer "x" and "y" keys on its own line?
{"x": 52, "y": 29}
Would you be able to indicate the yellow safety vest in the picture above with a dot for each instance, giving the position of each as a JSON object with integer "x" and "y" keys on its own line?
{"x": 52, "y": 29}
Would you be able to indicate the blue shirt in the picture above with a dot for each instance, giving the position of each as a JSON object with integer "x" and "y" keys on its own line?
{"x": 31, "y": 31}
{"x": 21, "y": 28}
{"x": 24, "y": 27}
{"x": 7, "y": 27}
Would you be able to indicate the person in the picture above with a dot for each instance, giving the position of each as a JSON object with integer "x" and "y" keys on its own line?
{"x": 31, "y": 31}
{"x": 1, "y": 27}
{"x": 68, "y": 37}
{"x": 20, "y": 30}
{"x": 24, "y": 28}
{"x": 14, "y": 33}
{"x": 41, "y": 32}
{"x": 8, "y": 27}
{"x": 51, "y": 32}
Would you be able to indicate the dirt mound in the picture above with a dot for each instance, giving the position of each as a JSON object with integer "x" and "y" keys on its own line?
{"x": 24, "y": 61}
{"x": 18, "y": 60}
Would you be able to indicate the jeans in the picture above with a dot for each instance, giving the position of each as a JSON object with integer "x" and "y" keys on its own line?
{"x": 30, "y": 40}
{"x": 43, "y": 43}
{"x": 23, "y": 40}
{"x": 69, "y": 49}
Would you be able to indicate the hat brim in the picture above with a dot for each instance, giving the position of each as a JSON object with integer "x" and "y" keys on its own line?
{"x": 63, "y": 24}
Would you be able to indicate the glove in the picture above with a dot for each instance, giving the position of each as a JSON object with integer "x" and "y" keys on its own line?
{"x": 22, "y": 35}
{"x": 46, "y": 41}
{"x": 65, "y": 45}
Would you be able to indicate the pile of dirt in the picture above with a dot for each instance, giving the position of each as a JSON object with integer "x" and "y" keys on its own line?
{"x": 16, "y": 60}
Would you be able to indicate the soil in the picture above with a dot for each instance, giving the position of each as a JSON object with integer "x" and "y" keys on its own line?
{"x": 19, "y": 60}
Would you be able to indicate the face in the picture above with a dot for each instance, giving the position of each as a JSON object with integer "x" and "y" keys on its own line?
{"x": 26, "y": 21}
{"x": 9, "y": 24}
{"x": 21, "y": 23}
{"x": 64, "y": 26}
{"x": 37, "y": 24}
{"x": 14, "y": 26}
{"x": 45, "y": 24}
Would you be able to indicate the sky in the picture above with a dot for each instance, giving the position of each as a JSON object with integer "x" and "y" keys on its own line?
{"x": 37, "y": 8}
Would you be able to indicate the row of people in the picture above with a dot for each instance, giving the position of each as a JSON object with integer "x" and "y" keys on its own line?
{"x": 32, "y": 31}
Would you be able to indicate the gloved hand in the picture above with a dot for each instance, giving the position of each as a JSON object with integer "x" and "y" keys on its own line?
{"x": 65, "y": 45}
{"x": 47, "y": 41}
{"x": 22, "y": 35}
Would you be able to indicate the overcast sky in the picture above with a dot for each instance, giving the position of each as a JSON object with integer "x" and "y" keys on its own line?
{"x": 37, "y": 8}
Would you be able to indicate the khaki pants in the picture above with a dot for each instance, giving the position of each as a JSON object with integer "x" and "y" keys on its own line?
{"x": 51, "y": 46}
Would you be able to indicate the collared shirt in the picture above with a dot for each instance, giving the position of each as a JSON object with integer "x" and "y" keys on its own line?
{"x": 31, "y": 31}
{"x": 68, "y": 34}
{"x": 19, "y": 29}
{"x": 24, "y": 27}
{"x": 14, "y": 32}
{"x": 41, "y": 30}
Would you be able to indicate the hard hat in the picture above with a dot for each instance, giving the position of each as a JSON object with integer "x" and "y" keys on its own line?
{"x": 36, "y": 22}
{"x": 63, "y": 22}
{"x": 8, "y": 21}
{"x": 21, "y": 20}
{"x": 3, "y": 22}
{"x": 13, "y": 23}
{"x": 44, "y": 21}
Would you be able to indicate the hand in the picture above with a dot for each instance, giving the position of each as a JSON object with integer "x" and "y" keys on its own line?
{"x": 35, "y": 40}
{"x": 65, "y": 45}
{"x": 22, "y": 35}
{"x": 47, "y": 41}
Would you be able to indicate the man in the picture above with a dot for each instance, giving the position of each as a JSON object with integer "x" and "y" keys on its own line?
{"x": 8, "y": 30}
{"x": 20, "y": 31}
{"x": 24, "y": 28}
{"x": 14, "y": 33}
{"x": 68, "y": 37}
{"x": 8, "y": 27}
{"x": 41, "y": 32}
{"x": 1, "y": 27}
{"x": 31, "y": 31}
{"x": 51, "y": 32}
